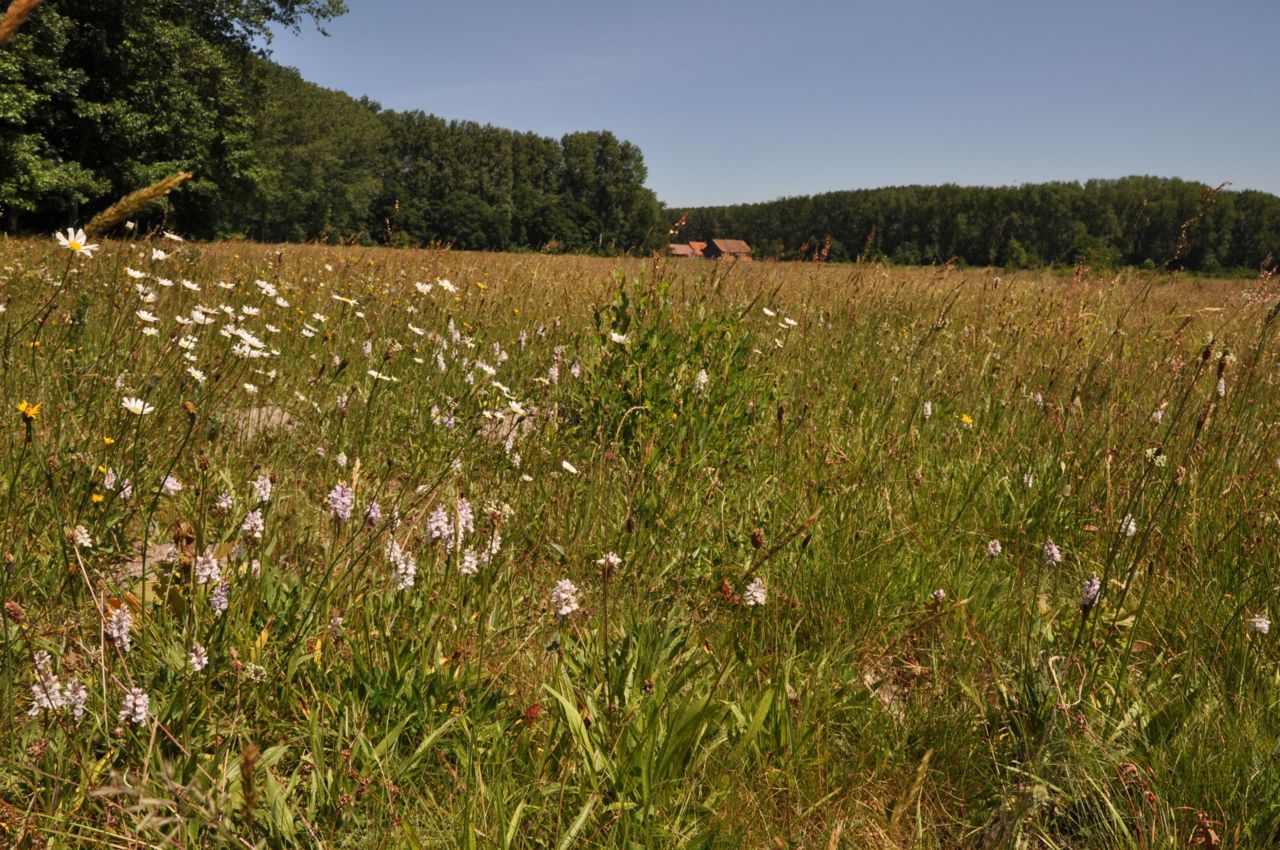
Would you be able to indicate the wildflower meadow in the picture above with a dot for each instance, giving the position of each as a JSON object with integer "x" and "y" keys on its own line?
{"x": 343, "y": 547}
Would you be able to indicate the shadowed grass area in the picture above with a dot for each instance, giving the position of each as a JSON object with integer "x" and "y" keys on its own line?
{"x": 366, "y": 548}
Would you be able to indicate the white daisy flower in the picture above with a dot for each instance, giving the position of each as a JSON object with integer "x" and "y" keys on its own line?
{"x": 76, "y": 242}
{"x": 136, "y": 406}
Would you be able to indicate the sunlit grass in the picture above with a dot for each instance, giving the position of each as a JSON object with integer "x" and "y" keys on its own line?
{"x": 836, "y": 618}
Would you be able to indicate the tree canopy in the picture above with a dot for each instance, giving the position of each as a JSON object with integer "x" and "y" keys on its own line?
{"x": 1133, "y": 221}
{"x": 102, "y": 97}
{"x": 105, "y": 96}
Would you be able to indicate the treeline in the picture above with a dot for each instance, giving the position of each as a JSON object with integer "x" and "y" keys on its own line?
{"x": 333, "y": 167}
{"x": 101, "y": 97}
{"x": 1137, "y": 221}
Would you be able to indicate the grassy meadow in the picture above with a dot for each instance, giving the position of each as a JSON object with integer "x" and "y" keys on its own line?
{"x": 343, "y": 547}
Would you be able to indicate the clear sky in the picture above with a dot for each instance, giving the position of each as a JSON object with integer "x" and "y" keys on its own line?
{"x": 750, "y": 100}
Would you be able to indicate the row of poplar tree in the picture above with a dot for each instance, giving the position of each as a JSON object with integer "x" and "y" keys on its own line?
{"x": 102, "y": 97}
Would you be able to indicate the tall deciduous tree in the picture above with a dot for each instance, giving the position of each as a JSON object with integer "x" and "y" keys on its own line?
{"x": 317, "y": 159}
{"x": 105, "y": 95}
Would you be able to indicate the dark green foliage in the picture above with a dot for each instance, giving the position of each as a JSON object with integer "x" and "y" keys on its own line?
{"x": 482, "y": 187}
{"x": 102, "y": 97}
{"x": 317, "y": 162}
{"x": 1102, "y": 223}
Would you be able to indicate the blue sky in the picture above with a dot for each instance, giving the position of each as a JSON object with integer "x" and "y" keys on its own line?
{"x": 748, "y": 101}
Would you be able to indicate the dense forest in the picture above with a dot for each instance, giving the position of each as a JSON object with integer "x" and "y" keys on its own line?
{"x": 1132, "y": 221}
{"x": 102, "y": 97}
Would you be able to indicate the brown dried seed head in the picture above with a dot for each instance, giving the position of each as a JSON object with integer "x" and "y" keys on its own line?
{"x": 14, "y": 611}
{"x": 757, "y": 538}
{"x": 133, "y": 202}
{"x": 14, "y": 17}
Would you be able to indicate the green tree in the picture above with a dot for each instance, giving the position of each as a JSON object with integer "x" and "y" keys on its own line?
{"x": 317, "y": 162}
{"x": 1106, "y": 222}
{"x": 108, "y": 95}
{"x": 605, "y": 177}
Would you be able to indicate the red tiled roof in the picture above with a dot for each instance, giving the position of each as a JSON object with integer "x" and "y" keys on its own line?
{"x": 731, "y": 246}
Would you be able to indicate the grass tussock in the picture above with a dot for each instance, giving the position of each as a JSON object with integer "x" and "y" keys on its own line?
{"x": 134, "y": 203}
{"x": 365, "y": 548}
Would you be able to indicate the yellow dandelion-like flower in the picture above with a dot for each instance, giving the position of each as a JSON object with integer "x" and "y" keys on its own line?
{"x": 966, "y": 420}
{"x": 29, "y": 411}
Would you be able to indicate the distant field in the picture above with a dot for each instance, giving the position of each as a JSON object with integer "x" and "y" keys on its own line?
{"x": 356, "y": 547}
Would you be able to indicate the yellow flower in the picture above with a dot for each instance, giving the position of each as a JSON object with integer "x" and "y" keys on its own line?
{"x": 97, "y": 498}
{"x": 108, "y": 441}
{"x": 966, "y": 420}
{"x": 29, "y": 411}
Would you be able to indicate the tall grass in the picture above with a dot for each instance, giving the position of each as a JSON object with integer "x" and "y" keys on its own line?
{"x": 719, "y": 429}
